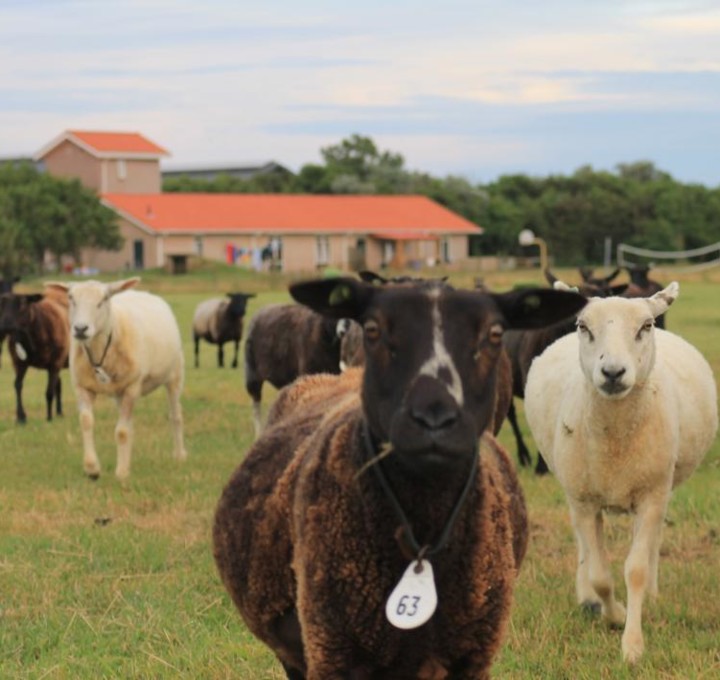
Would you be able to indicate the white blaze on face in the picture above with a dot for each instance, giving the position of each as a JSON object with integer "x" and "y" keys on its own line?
{"x": 440, "y": 359}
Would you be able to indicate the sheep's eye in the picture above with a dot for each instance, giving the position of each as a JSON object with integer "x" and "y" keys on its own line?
{"x": 496, "y": 333}
{"x": 372, "y": 331}
{"x": 645, "y": 328}
{"x": 582, "y": 327}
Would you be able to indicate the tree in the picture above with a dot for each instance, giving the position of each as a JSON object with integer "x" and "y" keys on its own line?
{"x": 43, "y": 214}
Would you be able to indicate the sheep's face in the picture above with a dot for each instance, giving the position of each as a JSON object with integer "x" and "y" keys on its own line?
{"x": 431, "y": 355}
{"x": 13, "y": 309}
{"x": 237, "y": 304}
{"x": 90, "y": 307}
{"x": 617, "y": 341}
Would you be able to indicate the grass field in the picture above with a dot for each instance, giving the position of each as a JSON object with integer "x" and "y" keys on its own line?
{"x": 99, "y": 580}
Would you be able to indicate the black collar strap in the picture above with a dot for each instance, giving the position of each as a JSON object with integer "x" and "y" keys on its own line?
{"x": 427, "y": 550}
{"x": 104, "y": 354}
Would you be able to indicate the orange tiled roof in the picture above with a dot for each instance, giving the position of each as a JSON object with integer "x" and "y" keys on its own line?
{"x": 282, "y": 213}
{"x": 117, "y": 142}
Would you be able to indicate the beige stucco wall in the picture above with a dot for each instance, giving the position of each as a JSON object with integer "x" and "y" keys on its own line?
{"x": 123, "y": 259}
{"x": 104, "y": 175}
{"x": 69, "y": 160}
{"x": 141, "y": 176}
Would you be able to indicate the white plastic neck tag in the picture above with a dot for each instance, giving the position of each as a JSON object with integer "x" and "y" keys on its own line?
{"x": 20, "y": 351}
{"x": 101, "y": 375}
{"x": 414, "y": 599}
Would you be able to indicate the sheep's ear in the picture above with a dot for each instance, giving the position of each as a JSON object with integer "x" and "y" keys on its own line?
{"x": 561, "y": 285}
{"x": 538, "y": 307}
{"x": 336, "y": 298}
{"x": 618, "y": 290}
{"x": 119, "y": 286}
{"x": 57, "y": 285}
{"x": 33, "y": 297}
{"x": 612, "y": 275}
{"x": 662, "y": 300}
{"x": 585, "y": 272}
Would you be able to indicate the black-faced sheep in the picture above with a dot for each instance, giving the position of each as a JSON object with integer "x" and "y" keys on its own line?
{"x": 220, "y": 320}
{"x": 376, "y": 473}
{"x": 284, "y": 342}
{"x": 623, "y": 412}
{"x": 39, "y": 337}
{"x": 124, "y": 344}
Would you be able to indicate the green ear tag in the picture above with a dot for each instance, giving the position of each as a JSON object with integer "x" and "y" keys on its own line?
{"x": 339, "y": 294}
{"x": 532, "y": 302}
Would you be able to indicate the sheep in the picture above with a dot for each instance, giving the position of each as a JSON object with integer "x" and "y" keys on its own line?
{"x": 624, "y": 413}
{"x": 314, "y": 528}
{"x": 6, "y": 286}
{"x": 524, "y": 345}
{"x": 124, "y": 344}
{"x": 218, "y": 321}
{"x": 39, "y": 337}
{"x": 284, "y": 342}
{"x": 350, "y": 335}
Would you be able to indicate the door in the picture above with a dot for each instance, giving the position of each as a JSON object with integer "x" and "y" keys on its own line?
{"x": 138, "y": 254}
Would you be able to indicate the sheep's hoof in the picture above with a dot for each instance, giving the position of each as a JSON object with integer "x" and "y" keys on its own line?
{"x": 591, "y": 608}
{"x": 632, "y": 648}
{"x": 94, "y": 476}
{"x": 615, "y": 617}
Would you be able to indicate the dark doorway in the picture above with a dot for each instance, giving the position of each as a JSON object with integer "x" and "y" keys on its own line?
{"x": 138, "y": 254}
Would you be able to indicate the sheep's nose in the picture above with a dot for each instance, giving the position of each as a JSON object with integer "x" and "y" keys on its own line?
{"x": 80, "y": 330}
{"x": 436, "y": 416}
{"x": 613, "y": 373}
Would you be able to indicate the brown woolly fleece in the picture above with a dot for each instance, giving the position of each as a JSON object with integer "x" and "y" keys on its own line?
{"x": 308, "y": 549}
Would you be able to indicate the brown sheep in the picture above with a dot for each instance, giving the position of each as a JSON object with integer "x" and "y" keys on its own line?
{"x": 38, "y": 334}
{"x": 313, "y": 531}
{"x": 284, "y": 342}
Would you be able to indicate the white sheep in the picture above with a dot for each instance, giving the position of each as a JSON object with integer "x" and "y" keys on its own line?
{"x": 124, "y": 346}
{"x": 620, "y": 428}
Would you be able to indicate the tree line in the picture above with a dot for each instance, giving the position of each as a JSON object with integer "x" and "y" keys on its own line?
{"x": 636, "y": 203}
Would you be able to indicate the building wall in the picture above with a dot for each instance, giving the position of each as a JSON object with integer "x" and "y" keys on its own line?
{"x": 69, "y": 160}
{"x": 131, "y": 176}
{"x": 124, "y": 259}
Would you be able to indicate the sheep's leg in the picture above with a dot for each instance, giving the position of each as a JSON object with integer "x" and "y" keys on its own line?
{"x": 235, "y": 355}
{"x": 522, "y": 451}
{"x": 221, "y": 356}
{"x": 593, "y": 576}
{"x": 58, "y": 396}
{"x": 91, "y": 464}
{"x": 197, "y": 351}
{"x": 174, "y": 388}
{"x": 639, "y": 576}
{"x": 124, "y": 431}
{"x": 51, "y": 390}
{"x": 20, "y": 371}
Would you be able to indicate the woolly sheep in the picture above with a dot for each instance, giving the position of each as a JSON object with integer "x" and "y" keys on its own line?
{"x": 124, "y": 344}
{"x": 307, "y": 538}
{"x": 620, "y": 427}
{"x": 284, "y": 342}
{"x": 220, "y": 320}
{"x": 39, "y": 337}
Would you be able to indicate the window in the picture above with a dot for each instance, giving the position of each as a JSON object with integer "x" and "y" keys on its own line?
{"x": 322, "y": 251}
{"x": 121, "y": 169}
{"x": 388, "y": 252}
{"x": 445, "y": 249}
{"x": 198, "y": 246}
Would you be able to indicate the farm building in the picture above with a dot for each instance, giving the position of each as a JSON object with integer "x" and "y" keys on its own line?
{"x": 293, "y": 233}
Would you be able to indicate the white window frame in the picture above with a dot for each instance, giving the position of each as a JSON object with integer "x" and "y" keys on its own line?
{"x": 121, "y": 169}
{"x": 322, "y": 251}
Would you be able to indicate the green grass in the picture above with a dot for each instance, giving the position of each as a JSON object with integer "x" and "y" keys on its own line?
{"x": 99, "y": 580}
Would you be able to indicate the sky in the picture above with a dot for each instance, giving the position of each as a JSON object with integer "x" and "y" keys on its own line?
{"x": 473, "y": 88}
